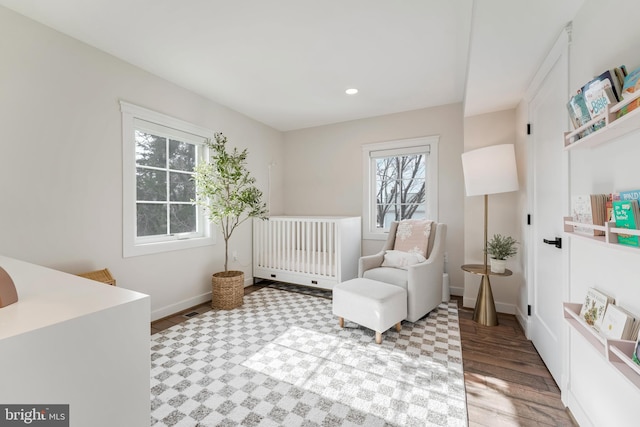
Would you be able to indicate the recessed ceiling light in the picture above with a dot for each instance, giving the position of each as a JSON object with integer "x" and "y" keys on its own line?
{"x": 352, "y": 91}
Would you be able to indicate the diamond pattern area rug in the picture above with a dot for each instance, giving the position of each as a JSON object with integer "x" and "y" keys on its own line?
{"x": 282, "y": 360}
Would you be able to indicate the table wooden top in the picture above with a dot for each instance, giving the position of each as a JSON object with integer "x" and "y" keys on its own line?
{"x": 482, "y": 270}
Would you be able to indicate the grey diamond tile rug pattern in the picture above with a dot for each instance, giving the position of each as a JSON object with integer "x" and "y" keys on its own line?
{"x": 282, "y": 360}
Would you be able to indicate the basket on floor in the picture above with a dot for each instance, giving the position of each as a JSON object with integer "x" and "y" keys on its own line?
{"x": 227, "y": 290}
{"x": 103, "y": 276}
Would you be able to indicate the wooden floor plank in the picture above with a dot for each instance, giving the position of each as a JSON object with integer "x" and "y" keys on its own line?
{"x": 506, "y": 381}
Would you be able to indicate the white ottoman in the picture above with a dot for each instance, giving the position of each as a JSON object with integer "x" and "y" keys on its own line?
{"x": 372, "y": 304}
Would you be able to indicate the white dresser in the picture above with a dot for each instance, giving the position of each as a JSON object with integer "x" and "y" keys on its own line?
{"x": 70, "y": 340}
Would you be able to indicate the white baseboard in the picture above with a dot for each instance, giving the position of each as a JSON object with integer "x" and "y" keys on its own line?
{"x": 187, "y": 303}
{"x": 577, "y": 412}
{"x": 524, "y": 321}
{"x": 457, "y": 291}
{"x": 179, "y": 306}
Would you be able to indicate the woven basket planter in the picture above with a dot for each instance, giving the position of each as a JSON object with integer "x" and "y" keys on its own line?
{"x": 227, "y": 289}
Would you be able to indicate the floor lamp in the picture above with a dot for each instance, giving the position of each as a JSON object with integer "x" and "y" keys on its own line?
{"x": 488, "y": 170}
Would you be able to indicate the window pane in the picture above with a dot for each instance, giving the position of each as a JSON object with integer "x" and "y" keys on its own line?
{"x": 151, "y": 150}
{"x": 151, "y": 185}
{"x": 412, "y": 211}
{"x": 385, "y": 214}
{"x": 183, "y": 218}
{"x": 182, "y": 155}
{"x": 400, "y": 189}
{"x": 413, "y": 191}
{"x": 412, "y": 167}
{"x": 387, "y": 167}
{"x": 151, "y": 219}
{"x": 181, "y": 187}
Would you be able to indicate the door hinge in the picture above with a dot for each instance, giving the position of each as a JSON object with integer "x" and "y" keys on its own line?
{"x": 528, "y": 219}
{"x": 529, "y": 310}
{"x": 528, "y": 128}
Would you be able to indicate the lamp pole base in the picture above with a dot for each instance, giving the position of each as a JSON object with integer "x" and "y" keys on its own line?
{"x": 485, "y": 310}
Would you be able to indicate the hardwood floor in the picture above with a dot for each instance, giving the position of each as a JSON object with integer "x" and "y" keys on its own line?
{"x": 506, "y": 381}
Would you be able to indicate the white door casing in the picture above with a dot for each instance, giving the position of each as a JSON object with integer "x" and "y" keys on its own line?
{"x": 548, "y": 200}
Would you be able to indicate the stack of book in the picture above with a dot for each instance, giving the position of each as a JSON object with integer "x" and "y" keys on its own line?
{"x": 589, "y": 209}
{"x": 619, "y": 324}
{"x": 599, "y": 211}
{"x": 591, "y": 99}
{"x": 594, "y": 307}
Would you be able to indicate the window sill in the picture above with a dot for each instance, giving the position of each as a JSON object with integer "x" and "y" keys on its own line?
{"x": 132, "y": 250}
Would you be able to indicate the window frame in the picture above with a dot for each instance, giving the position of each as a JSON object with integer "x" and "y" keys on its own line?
{"x": 397, "y": 148}
{"x": 145, "y": 245}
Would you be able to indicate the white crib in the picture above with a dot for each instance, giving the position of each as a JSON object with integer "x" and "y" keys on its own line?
{"x": 313, "y": 251}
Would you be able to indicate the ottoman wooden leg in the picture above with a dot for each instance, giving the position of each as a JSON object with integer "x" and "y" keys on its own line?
{"x": 341, "y": 321}
{"x": 378, "y": 337}
{"x": 398, "y": 327}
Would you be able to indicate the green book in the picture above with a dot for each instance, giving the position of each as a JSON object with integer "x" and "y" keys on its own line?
{"x": 625, "y": 213}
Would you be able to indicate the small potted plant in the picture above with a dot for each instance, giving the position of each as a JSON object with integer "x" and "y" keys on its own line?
{"x": 500, "y": 248}
{"x": 226, "y": 191}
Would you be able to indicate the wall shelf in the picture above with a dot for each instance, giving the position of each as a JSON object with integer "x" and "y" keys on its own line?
{"x": 617, "y": 352}
{"x": 613, "y": 128}
{"x": 610, "y": 238}
{"x": 572, "y": 316}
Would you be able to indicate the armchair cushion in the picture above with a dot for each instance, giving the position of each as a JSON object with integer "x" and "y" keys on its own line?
{"x": 400, "y": 259}
{"x": 412, "y": 235}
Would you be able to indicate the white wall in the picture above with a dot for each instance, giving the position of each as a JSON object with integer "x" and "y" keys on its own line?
{"x": 596, "y": 393}
{"x": 61, "y": 162}
{"x": 503, "y": 218}
{"x": 323, "y": 170}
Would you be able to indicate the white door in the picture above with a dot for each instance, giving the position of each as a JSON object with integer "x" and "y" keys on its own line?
{"x": 548, "y": 118}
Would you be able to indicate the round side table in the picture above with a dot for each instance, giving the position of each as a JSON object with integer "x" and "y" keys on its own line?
{"x": 485, "y": 310}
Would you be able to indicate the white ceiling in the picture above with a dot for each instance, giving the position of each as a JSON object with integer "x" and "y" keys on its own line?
{"x": 287, "y": 63}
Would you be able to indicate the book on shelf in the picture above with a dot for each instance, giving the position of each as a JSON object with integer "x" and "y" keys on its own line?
{"x": 630, "y": 195}
{"x": 610, "y": 199}
{"x": 630, "y": 86}
{"x": 594, "y": 307}
{"x": 616, "y": 77}
{"x": 636, "y": 352}
{"x": 581, "y": 212}
{"x": 579, "y": 114}
{"x": 619, "y": 324}
{"x": 598, "y": 93}
{"x": 626, "y": 215}
{"x": 599, "y": 211}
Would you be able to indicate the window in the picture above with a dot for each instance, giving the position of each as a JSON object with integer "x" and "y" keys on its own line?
{"x": 159, "y": 154}
{"x": 401, "y": 182}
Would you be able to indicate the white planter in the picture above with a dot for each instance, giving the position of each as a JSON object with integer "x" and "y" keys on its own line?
{"x": 498, "y": 265}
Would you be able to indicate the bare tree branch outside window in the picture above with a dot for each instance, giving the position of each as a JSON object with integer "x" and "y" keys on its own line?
{"x": 400, "y": 188}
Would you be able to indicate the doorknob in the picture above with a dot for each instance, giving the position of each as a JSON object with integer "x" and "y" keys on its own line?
{"x": 557, "y": 242}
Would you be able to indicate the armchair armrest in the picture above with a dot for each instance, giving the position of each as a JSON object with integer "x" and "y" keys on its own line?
{"x": 368, "y": 262}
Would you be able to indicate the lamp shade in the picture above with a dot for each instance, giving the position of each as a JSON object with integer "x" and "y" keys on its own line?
{"x": 490, "y": 170}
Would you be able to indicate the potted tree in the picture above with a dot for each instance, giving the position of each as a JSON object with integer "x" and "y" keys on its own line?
{"x": 227, "y": 193}
{"x": 500, "y": 248}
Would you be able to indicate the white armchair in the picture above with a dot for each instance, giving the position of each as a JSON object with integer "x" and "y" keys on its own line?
{"x": 422, "y": 281}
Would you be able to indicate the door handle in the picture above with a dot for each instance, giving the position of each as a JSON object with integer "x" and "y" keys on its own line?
{"x": 557, "y": 242}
